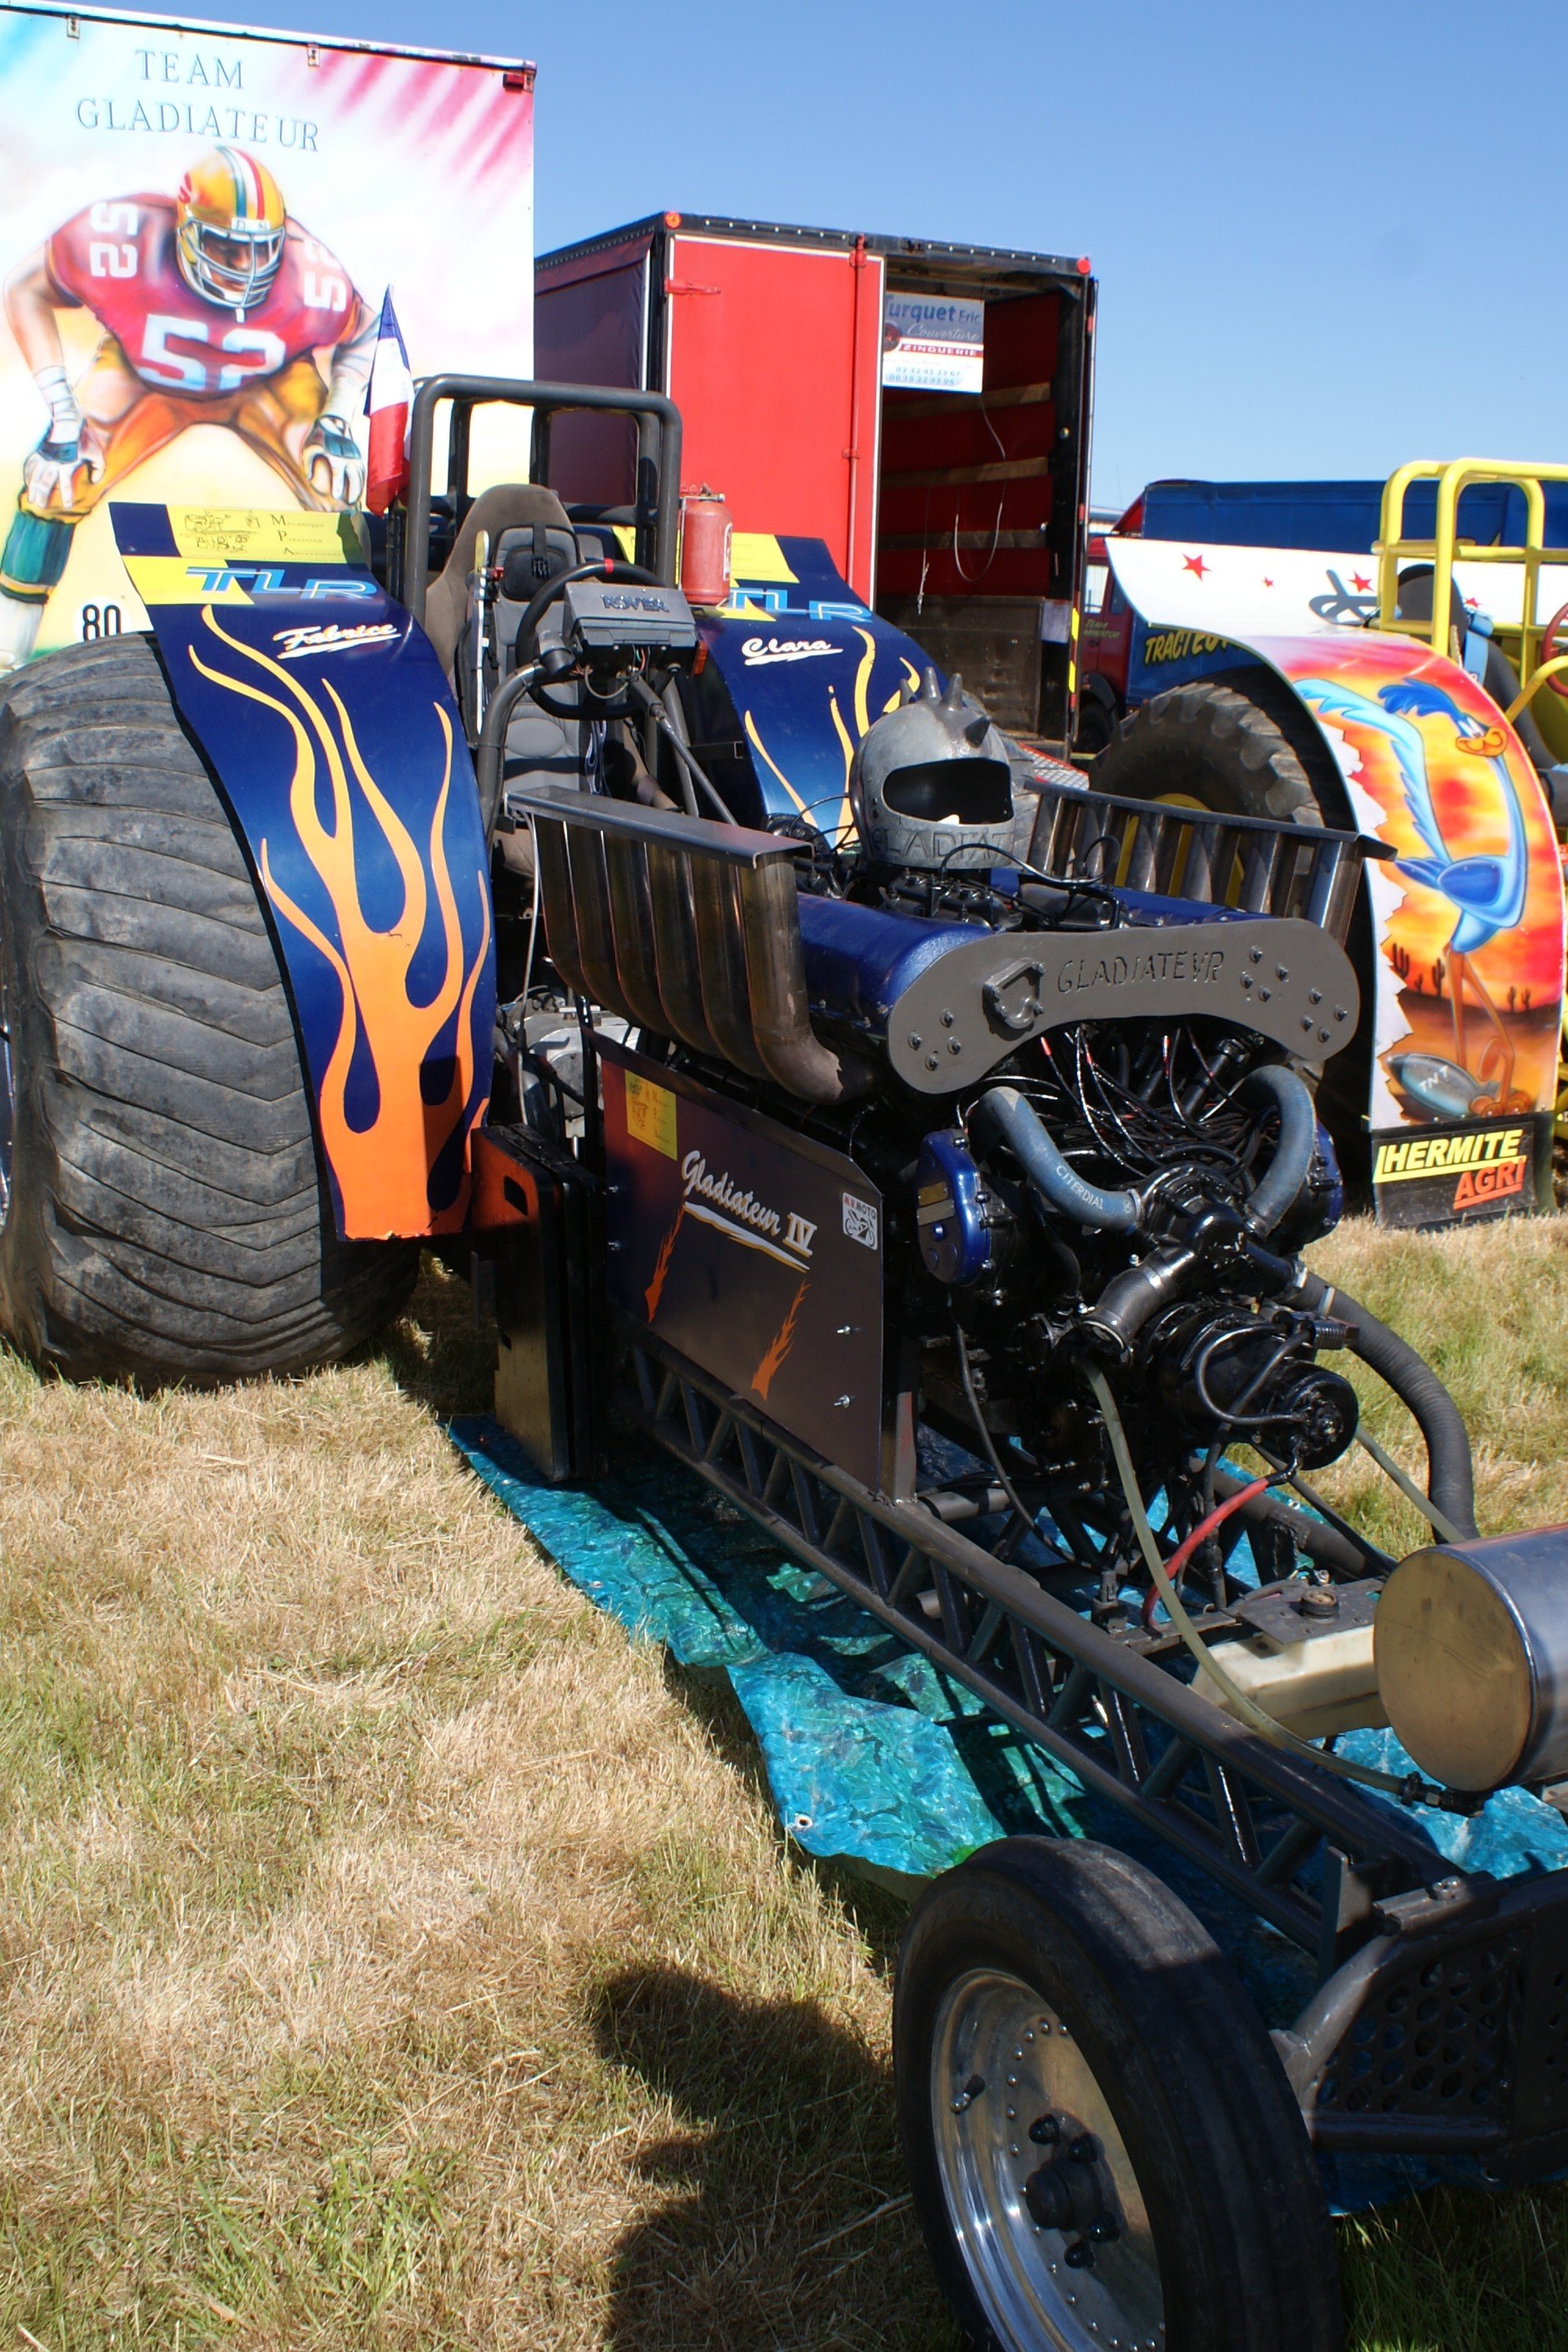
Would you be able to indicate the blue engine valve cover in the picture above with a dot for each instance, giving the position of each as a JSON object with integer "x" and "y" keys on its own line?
{"x": 952, "y": 1205}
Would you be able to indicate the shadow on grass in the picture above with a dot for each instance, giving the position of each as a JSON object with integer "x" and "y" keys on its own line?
{"x": 768, "y": 2229}
{"x": 781, "y": 2213}
{"x": 1459, "y": 2270}
{"x": 875, "y": 1912}
{"x": 440, "y": 1352}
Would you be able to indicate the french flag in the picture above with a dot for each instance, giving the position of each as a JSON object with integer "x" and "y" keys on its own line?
{"x": 389, "y": 397}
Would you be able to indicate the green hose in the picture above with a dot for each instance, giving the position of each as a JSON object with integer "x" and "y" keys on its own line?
{"x": 1428, "y": 1509}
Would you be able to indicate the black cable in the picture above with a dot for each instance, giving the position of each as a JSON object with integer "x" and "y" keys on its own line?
{"x": 644, "y": 694}
{"x": 992, "y": 1456}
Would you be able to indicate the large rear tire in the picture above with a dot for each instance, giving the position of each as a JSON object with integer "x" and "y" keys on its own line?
{"x": 163, "y": 1212}
{"x": 1226, "y": 746}
{"x": 1102, "y": 2145}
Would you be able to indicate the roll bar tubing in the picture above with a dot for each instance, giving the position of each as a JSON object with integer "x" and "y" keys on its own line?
{"x": 658, "y": 443}
{"x": 1393, "y": 548}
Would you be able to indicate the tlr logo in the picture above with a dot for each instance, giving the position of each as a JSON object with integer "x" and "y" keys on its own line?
{"x": 267, "y": 579}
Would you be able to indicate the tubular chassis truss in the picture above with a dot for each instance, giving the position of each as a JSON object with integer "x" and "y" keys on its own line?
{"x": 1441, "y": 2021}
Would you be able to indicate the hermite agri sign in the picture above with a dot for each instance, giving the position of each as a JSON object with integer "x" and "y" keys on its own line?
{"x": 1454, "y": 1174}
{"x": 197, "y": 230}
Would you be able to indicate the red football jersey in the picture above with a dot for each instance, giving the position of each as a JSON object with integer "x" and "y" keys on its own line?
{"x": 119, "y": 260}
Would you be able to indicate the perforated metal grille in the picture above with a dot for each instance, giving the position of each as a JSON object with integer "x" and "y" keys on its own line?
{"x": 1542, "y": 2103}
{"x": 1439, "y": 2041}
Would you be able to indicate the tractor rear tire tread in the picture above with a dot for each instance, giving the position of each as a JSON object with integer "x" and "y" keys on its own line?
{"x": 168, "y": 1219}
{"x": 1193, "y": 738}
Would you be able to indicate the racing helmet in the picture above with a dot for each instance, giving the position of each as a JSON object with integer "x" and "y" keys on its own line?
{"x": 229, "y": 228}
{"x": 931, "y": 785}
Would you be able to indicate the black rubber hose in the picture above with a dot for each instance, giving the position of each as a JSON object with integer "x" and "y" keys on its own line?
{"x": 1450, "y": 1475}
{"x": 1012, "y": 1121}
{"x": 1291, "y": 1165}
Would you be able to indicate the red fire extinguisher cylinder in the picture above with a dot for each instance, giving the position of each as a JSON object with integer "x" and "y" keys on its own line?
{"x": 705, "y": 537}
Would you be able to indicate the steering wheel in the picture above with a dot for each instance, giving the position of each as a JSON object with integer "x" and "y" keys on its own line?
{"x": 604, "y": 567}
{"x": 1553, "y": 646}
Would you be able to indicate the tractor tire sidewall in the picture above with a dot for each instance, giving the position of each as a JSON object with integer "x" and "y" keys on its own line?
{"x": 169, "y": 1219}
{"x": 1243, "y": 744}
{"x": 24, "y": 1242}
{"x": 1246, "y": 745}
{"x": 1239, "y": 2221}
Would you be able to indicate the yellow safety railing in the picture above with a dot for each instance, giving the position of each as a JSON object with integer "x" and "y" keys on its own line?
{"x": 1393, "y": 548}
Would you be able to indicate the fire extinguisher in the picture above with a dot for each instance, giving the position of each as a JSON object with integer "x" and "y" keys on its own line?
{"x": 704, "y": 546}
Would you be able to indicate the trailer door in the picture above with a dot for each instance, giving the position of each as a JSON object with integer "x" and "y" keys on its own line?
{"x": 773, "y": 354}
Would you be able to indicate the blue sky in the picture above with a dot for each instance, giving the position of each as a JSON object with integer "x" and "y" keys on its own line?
{"x": 1329, "y": 237}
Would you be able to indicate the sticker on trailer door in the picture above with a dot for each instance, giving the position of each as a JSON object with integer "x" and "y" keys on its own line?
{"x": 933, "y": 344}
{"x": 755, "y": 1252}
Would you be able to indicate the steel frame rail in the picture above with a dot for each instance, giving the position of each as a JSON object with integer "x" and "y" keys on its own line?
{"x": 1126, "y": 1728}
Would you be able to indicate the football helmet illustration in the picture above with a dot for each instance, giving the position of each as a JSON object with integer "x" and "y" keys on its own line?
{"x": 229, "y": 224}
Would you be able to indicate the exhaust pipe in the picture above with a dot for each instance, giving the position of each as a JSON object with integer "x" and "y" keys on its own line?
{"x": 687, "y": 929}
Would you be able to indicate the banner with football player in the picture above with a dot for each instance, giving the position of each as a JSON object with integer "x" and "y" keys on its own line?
{"x": 200, "y": 233}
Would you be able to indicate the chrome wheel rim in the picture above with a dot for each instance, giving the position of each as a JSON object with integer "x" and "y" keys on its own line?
{"x": 1002, "y": 2064}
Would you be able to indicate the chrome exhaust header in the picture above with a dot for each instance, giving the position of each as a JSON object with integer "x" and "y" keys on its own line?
{"x": 686, "y": 927}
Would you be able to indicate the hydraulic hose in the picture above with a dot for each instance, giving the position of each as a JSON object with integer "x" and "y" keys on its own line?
{"x": 1289, "y": 1169}
{"x": 1450, "y": 1475}
{"x": 1013, "y": 1122}
{"x": 1411, "y": 1790}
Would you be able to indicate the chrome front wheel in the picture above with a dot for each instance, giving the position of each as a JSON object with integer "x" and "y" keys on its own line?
{"x": 1104, "y": 2151}
{"x": 1041, "y": 2189}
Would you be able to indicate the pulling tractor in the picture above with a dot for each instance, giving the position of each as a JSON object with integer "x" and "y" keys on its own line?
{"x": 845, "y": 1099}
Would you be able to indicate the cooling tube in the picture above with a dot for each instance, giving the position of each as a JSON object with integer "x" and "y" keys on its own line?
{"x": 1291, "y": 1164}
{"x": 1012, "y": 1121}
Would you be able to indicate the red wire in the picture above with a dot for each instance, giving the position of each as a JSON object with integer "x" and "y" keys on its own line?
{"x": 1204, "y": 1529}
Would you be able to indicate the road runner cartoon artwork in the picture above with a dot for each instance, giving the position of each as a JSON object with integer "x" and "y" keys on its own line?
{"x": 1466, "y": 907}
{"x": 216, "y": 308}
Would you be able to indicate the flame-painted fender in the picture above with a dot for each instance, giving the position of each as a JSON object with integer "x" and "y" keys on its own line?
{"x": 1468, "y": 916}
{"x": 328, "y": 724}
{"x": 794, "y": 669}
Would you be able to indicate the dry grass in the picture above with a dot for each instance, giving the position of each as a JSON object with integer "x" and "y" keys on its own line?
{"x": 395, "y": 1956}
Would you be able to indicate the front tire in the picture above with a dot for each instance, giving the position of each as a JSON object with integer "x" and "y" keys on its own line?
{"x": 1101, "y": 2142}
{"x": 164, "y": 1217}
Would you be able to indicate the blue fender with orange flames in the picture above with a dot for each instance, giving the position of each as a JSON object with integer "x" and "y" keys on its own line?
{"x": 794, "y": 669}
{"x": 331, "y": 734}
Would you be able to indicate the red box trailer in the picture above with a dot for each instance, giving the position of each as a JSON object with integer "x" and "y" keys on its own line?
{"x": 923, "y": 408}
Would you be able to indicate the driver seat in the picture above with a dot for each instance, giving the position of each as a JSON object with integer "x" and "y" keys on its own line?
{"x": 514, "y": 513}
